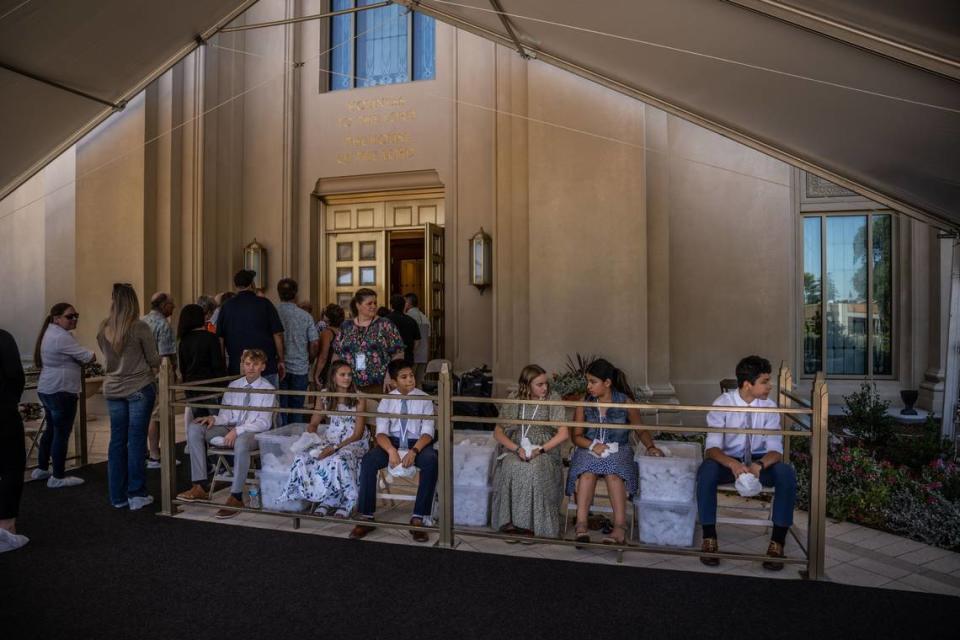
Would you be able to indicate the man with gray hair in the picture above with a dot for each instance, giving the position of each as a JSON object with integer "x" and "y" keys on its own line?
{"x": 209, "y": 306}
{"x": 161, "y": 308}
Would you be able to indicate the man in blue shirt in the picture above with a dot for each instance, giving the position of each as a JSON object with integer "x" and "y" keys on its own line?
{"x": 301, "y": 343}
{"x": 247, "y": 321}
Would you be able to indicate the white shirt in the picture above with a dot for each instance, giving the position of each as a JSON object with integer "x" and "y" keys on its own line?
{"x": 245, "y": 420}
{"x": 734, "y": 444}
{"x": 61, "y": 356}
{"x": 415, "y": 427}
{"x": 421, "y": 352}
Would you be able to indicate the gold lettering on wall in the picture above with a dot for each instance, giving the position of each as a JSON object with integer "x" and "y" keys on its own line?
{"x": 362, "y": 145}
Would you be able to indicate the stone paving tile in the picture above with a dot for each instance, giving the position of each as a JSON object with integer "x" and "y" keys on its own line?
{"x": 886, "y": 569}
{"x": 858, "y": 535}
{"x": 881, "y": 540}
{"x": 901, "y": 547}
{"x": 850, "y": 574}
{"x": 924, "y": 555}
{"x": 929, "y": 585}
{"x": 947, "y": 564}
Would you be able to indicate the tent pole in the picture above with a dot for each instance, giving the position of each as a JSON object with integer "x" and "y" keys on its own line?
{"x": 509, "y": 27}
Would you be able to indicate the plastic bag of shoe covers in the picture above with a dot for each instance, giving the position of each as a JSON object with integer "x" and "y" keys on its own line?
{"x": 748, "y": 485}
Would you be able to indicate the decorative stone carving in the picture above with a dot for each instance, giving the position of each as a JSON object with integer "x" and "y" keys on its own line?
{"x": 817, "y": 187}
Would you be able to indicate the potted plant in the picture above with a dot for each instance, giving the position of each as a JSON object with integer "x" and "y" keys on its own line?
{"x": 571, "y": 383}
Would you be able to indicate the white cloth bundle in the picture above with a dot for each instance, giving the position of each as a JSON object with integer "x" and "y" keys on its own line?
{"x": 612, "y": 447}
{"x": 528, "y": 447}
{"x": 400, "y": 471}
{"x": 304, "y": 442}
{"x": 748, "y": 485}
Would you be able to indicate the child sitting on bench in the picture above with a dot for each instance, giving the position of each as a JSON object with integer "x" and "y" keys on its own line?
{"x": 728, "y": 456}
{"x": 401, "y": 443}
{"x": 232, "y": 429}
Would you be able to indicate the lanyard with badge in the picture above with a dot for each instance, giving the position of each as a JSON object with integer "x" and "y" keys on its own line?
{"x": 360, "y": 358}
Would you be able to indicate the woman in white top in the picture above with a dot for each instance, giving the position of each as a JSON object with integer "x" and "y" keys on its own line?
{"x": 60, "y": 359}
{"x": 327, "y": 473}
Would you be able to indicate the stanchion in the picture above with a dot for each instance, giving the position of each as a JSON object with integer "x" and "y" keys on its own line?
{"x": 168, "y": 443}
{"x": 445, "y": 435}
{"x": 80, "y": 442}
{"x": 817, "y": 523}
{"x": 784, "y": 387}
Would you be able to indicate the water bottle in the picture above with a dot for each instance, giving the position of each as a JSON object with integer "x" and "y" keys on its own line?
{"x": 254, "y": 494}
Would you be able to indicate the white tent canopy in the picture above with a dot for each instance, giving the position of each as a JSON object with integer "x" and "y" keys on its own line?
{"x": 108, "y": 50}
{"x": 862, "y": 92}
{"x": 840, "y": 102}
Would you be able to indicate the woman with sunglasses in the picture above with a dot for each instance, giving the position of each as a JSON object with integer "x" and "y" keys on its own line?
{"x": 130, "y": 351}
{"x": 60, "y": 359}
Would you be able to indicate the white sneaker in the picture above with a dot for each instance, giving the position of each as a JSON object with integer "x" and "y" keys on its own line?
{"x": 40, "y": 474}
{"x": 66, "y": 481}
{"x": 11, "y": 541}
{"x": 138, "y": 502}
{"x": 217, "y": 441}
{"x": 155, "y": 464}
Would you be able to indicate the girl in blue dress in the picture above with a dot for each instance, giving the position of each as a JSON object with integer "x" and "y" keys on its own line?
{"x": 602, "y": 452}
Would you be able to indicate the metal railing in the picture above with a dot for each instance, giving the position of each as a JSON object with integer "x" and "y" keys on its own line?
{"x": 808, "y": 419}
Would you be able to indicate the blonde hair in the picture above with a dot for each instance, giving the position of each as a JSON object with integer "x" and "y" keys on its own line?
{"x": 257, "y": 355}
{"x": 124, "y": 311}
{"x": 527, "y": 376}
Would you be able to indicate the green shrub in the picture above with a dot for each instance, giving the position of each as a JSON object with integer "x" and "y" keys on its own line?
{"x": 916, "y": 451}
{"x": 865, "y": 416}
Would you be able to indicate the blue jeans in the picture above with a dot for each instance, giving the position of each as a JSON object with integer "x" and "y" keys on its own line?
{"x": 293, "y": 382}
{"x": 126, "y": 458}
{"x": 780, "y": 476}
{"x": 377, "y": 459}
{"x": 61, "y": 410}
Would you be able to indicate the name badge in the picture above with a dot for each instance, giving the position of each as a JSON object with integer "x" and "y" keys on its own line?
{"x": 360, "y": 362}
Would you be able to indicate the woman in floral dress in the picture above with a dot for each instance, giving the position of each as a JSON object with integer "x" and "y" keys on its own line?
{"x": 528, "y": 492}
{"x": 327, "y": 473}
{"x": 367, "y": 343}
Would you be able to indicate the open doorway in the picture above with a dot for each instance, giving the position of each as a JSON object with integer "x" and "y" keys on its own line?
{"x": 407, "y": 263}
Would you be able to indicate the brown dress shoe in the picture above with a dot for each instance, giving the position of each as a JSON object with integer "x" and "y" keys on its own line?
{"x": 226, "y": 512}
{"x": 195, "y": 493}
{"x": 775, "y": 550}
{"x": 710, "y": 546}
{"x": 418, "y": 534}
{"x": 360, "y": 531}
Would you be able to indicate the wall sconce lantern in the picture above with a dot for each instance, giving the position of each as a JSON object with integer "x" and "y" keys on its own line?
{"x": 481, "y": 263}
{"x": 255, "y": 259}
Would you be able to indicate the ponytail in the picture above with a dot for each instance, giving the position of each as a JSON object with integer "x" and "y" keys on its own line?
{"x": 56, "y": 311}
{"x": 603, "y": 370}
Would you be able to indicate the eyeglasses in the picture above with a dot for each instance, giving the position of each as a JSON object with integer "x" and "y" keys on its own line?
{"x": 72, "y": 316}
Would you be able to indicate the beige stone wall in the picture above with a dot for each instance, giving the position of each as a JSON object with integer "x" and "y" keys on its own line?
{"x": 618, "y": 230}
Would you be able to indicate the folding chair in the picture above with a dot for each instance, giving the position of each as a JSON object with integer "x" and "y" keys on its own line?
{"x": 766, "y": 509}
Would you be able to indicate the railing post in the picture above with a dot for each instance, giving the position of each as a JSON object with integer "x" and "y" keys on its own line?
{"x": 817, "y": 524}
{"x": 445, "y": 436}
{"x": 784, "y": 386}
{"x": 168, "y": 442}
{"x": 80, "y": 441}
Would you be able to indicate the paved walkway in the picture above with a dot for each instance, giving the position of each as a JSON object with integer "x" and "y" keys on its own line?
{"x": 854, "y": 554}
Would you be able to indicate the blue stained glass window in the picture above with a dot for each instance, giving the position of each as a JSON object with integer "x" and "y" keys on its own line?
{"x": 341, "y": 44}
{"x": 424, "y": 47}
{"x": 380, "y": 46}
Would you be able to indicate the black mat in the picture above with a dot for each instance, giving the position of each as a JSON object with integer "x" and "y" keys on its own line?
{"x": 93, "y": 572}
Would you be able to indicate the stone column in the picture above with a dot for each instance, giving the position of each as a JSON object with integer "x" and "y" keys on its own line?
{"x": 932, "y": 386}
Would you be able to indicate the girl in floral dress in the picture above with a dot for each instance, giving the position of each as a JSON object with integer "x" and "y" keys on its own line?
{"x": 327, "y": 473}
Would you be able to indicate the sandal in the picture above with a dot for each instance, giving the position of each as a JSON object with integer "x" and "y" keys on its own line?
{"x": 613, "y": 538}
{"x": 582, "y": 534}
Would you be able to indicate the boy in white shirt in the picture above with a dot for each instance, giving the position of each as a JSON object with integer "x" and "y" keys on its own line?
{"x": 728, "y": 456}
{"x": 233, "y": 429}
{"x": 402, "y": 442}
